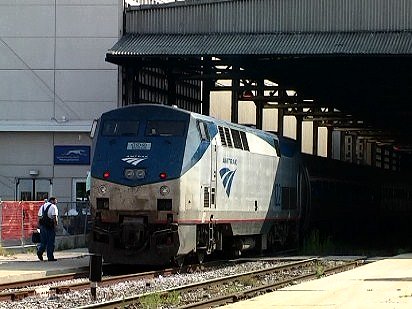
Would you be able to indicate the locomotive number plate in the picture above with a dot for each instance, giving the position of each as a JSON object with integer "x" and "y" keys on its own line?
{"x": 138, "y": 146}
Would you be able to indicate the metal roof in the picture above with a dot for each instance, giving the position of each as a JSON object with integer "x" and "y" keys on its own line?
{"x": 269, "y": 16}
{"x": 350, "y": 54}
{"x": 326, "y": 43}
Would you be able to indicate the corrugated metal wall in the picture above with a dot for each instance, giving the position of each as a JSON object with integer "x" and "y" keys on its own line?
{"x": 268, "y": 16}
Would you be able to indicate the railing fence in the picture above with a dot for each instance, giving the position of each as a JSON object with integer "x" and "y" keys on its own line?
{"x": 19, "y": 219}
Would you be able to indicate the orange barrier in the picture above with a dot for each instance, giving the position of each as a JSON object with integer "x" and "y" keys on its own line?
{"x": 18, "y": 219}
{"x": 30, "y": 217}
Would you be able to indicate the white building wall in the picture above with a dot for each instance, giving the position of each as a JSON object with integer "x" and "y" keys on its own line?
{"x": 54, "y": 81}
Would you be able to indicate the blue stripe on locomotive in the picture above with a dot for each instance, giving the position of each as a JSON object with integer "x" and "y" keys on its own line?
{"x": 195, "y": 147}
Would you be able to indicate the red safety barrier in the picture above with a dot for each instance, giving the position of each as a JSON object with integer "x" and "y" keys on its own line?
{"x": 30, "y": 217}
{"x": 18, "y": 219}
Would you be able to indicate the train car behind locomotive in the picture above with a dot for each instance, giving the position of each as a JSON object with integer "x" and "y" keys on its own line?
{"x": 358, "y": 206}
{"x": 167, "y": 183}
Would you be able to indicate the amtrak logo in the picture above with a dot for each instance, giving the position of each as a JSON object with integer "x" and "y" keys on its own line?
{"x": 134, "y": 160}
{"x": 227, "y": 176}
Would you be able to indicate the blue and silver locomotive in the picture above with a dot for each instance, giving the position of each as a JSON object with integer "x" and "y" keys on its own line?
{"x": 167, "y": 183}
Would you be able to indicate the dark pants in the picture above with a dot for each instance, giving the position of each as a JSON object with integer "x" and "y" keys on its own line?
{"x": 47, "y": 237}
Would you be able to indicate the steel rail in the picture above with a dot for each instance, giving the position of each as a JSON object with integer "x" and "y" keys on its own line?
{"x": 65, "y": 288}
{"x": 43, "y": 280}
{"x": 135, "y": 298}
{"x": 34, "y": 282}
{"x": 267, "y": 288}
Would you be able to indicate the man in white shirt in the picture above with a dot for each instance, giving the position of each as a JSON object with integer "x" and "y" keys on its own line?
{"x": 47, "y": 224}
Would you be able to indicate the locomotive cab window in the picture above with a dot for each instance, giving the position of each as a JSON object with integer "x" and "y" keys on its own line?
{"x": 120, "y": 128}
{"x": 165, "y": 128}
{"x": 203, "y": 131}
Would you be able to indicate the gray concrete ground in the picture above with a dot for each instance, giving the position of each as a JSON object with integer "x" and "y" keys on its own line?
{"x": 23, "y": 266}
{"x": 384, "y": 284}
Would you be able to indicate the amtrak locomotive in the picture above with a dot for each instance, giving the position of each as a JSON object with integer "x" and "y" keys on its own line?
{"x": 167, "y": 183}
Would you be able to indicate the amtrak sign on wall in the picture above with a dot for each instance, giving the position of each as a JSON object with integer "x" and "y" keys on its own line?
{"x": 79, "y": 155}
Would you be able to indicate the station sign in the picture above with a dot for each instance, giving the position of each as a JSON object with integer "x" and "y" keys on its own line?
{"x": 72, "y": 155}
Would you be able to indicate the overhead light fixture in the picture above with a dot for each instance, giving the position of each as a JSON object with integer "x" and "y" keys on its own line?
{"x": 34, "y": 173}
{"x": 247, "y": 94}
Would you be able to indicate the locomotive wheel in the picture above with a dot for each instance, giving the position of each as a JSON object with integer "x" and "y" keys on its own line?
{"x": 200, "y": 256}
{"x": 271, "y": 242}
{"x": 179, "y": 260}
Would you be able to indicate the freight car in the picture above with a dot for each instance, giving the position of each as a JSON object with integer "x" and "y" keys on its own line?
{"x": 167, "y": 183}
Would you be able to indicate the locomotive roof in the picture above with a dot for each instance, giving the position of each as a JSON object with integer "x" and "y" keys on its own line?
{"x": 197, "y": 116}
{"x": 287, "y": 145}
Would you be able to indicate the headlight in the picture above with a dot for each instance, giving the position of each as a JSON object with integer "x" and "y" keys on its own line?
{"x": 102, "y": 189}
{"x": 164, "y": 190}
{"x": 140, "y": 174}
{"x": 129, "y": 174}
{"x": 134, "y": 173}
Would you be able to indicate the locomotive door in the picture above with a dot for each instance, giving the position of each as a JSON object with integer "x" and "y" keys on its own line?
{"x": 213, "y": 172}
{"x": 209, "y": 185}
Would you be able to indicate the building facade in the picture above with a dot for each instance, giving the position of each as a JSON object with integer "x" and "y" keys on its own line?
{"x": 54, "y": 81}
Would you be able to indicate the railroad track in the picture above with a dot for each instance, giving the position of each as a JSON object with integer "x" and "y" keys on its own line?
{"x": 33, "y": 287}
{"x": 28, "y": 287}
{"x": 215, "y": 286}
{"x": 266, "y": 288}
{"x": 248, "y": 279}
{"x": 41, "y": 281}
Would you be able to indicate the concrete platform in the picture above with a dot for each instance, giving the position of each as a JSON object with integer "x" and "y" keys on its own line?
{"x": 25, "y": 266}
{"x": 385, "y": 284}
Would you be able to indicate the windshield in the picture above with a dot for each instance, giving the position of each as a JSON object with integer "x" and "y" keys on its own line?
{"x": 120, "y": 128}
{"x": 165, "y": 128}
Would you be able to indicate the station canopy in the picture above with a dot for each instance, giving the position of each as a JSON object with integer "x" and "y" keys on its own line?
{"x": 352, "y": 58}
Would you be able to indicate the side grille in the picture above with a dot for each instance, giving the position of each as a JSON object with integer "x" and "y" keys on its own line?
{"x": 222, "y": 136}
{"x": 206, "y": 202}
{"x": 228, "y": 138}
